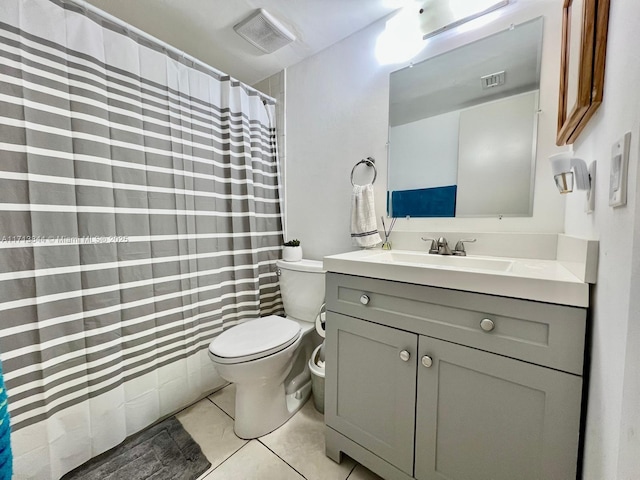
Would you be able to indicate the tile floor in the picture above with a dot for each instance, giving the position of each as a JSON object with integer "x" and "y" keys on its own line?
{"x": 295, "y": 451}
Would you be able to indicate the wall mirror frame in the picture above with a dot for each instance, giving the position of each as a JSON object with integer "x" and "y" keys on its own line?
{"x": 582, "y": 65}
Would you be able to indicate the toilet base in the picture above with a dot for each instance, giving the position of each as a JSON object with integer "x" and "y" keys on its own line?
{"x": 270, "y": 390}
{"x": 260, "y": 409}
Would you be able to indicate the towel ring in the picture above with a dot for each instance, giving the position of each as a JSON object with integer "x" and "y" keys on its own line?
{"x": 369, "y": 162}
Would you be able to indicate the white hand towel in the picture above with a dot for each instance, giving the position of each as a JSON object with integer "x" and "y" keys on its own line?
{"x": 364, "y": 230}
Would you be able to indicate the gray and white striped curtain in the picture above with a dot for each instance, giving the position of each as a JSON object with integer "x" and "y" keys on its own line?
{"x": 139, "y": 217}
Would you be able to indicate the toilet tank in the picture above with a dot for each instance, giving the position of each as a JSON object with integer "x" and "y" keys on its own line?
{"x": 302, "y": 288}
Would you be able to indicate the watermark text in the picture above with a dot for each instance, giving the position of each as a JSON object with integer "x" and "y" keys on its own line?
{"x": 64, "y": 240}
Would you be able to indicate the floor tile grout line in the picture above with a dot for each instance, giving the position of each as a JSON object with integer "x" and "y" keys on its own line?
{"x": 258, "y": 439}
{"x": 226, "y": 459}
{"x": 290, "y": 466}
{"x": 175, "y": 414}
{"x": 247, "y": 443}
{"x": 351, "y": 471}
{"x": 223, "y": 411}
{"x": 206, "y": 473}
{"x": 261, "y": 442}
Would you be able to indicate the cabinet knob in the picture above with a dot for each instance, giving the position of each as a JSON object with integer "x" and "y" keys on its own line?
{"x": 487, "y": 324}
{"x": 405, "y": 356}
{"x": 427, "y": 361}
{"x": 364, "y": 299}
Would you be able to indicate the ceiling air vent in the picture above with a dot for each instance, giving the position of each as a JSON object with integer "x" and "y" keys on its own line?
{"x": 263, "y": 31}
{"x": 492, "y": 80}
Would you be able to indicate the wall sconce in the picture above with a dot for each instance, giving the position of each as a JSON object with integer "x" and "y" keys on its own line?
{"x": 567, "y": 170}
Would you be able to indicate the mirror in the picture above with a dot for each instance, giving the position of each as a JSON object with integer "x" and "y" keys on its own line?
{"x": 463, "y": 128}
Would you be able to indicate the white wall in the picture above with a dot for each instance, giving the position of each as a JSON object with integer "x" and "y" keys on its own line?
{"x": 424, "y": 153}
{"x": 337, "y": 113}
{"x": 275, "y": 86}
{"x": 613, "y": 426}
{"x": 337, "y": 103}
{"x": 494, "y": 162}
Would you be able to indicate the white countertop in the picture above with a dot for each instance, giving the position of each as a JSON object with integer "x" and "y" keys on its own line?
{"x": 530, "y": 279}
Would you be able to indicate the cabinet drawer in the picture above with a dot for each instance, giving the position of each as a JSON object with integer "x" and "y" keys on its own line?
{"x": 541, "y": 333}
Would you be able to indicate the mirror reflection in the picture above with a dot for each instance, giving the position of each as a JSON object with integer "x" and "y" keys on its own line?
{"x": 462, "y": 129}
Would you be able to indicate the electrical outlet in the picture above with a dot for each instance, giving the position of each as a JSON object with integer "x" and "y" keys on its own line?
{"x": 618, "y": 172}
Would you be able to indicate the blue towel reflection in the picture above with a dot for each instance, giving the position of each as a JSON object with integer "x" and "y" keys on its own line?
{"x": 425, "y": 202}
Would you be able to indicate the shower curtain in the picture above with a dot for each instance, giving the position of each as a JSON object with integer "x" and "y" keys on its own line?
{"x": 139, "y": 217}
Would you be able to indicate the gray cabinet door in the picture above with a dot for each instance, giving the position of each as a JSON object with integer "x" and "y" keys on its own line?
{"x": 481, "y": 416}
{"x": 370, "y": 389}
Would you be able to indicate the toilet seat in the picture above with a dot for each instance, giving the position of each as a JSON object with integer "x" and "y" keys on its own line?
{"x": 254, "y": 339}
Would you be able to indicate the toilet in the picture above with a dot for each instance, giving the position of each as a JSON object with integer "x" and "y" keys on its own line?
{"x": 267, "y": 358}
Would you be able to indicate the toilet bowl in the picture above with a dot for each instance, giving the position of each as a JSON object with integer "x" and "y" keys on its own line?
{"x": 267, "y": 358}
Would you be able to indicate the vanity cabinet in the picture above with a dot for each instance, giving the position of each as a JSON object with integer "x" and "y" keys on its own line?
{"x": 432, "y": 383}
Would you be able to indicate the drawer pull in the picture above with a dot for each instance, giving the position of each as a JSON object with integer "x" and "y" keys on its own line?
{"x": 487, "y": 324}
{"x": 364, "y": 299}
{"x": 405, "y": 356}
{"x": 427, "y": 361}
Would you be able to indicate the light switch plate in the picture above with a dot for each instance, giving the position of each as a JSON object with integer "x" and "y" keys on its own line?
{"x": 618, "y": 172}
{"x": 590, "y": 204}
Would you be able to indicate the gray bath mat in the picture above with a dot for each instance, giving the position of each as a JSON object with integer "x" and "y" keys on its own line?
{"x": 163, "y": 452}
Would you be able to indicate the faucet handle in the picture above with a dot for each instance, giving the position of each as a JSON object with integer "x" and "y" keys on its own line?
{"x": 459, "y": 248}
{"x": 434, "y": 246}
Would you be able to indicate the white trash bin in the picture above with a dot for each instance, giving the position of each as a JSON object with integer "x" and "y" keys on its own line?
{"x": 317, "y": 378}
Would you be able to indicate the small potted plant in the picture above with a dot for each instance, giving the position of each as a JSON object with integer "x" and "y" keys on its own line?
{"x": 292, "y": 251}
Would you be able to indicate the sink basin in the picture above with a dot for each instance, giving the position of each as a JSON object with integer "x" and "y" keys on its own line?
{"x": 445, "y": 261}
{"x": 531, "y": 279}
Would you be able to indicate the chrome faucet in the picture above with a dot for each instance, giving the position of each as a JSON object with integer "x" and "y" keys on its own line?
{"x": 443, "y": 247}
{"x": 459, "y": 248}
{"x": 438, "y": 247}
{"x": 433, "y": 249}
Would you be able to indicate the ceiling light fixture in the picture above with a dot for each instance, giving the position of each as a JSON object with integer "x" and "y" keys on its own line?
{"x": 401, "y": 39}
{"x": 436, "y": 18}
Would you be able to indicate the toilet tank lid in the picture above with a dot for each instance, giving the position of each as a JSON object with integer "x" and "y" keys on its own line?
{"x": 301, "y": 266}
{"x": 260, "y": 336}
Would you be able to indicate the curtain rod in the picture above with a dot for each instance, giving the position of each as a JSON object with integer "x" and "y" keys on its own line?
{"x": 147, "y": 36}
